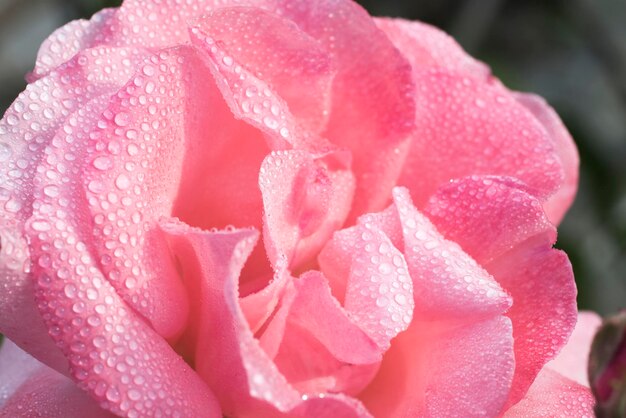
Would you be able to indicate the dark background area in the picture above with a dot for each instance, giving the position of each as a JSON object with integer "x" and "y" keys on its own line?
{"x": 572, "y": 52}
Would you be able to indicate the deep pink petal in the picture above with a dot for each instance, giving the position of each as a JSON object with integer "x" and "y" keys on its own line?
{"x": 501, "y": 225}
{"x": 572, "y": 360}
{"x": 445, "y": 369}
{"x": 305, "y": 200}
{"x": 29, "y": 389}
{"x": 426, "y": 46}
{"x": 229, "y": 357}
{"x": 466, "y": 126}
{"x": 554, "y": 396}
{"x": 557, "y": 204}
{"x": 27, "y": 128}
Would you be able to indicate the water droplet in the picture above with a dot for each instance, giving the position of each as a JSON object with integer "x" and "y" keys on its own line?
{"x": 122, "y": 182}
{"x": 5, "y": 152}
{"x": 103, "y": 163}
{"x": 122, "y": 119}
{"x": 228, "y": 61}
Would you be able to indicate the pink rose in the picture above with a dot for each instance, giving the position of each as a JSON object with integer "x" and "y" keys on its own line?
{"x": 281, "y": 208}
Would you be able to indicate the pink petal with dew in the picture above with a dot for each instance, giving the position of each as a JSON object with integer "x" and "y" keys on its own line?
{"x": 501, "y": 225}
{"x": 554, "y": 396}
{"x": 113, "y": 354}
{"x": 571, "y": 362}
{"x": 466, "y": 126}
{"x": 136, "y": 158}
{"x": 557, "y": 204}
{"x": 372, "y": 119}
{"x": 426, "y": 46}
{"x": 316, "y": 344}
{"x": 27, "y": 128}
{"x": 229, "y": 358}
{"x": 445, "y": 368}
{"x": 67, "y": 41}
{"x": 269, "y": 56}
{"x": 306, "y": 198}
{"x": 30, "y": 389}
{"x": 448, "y": 284}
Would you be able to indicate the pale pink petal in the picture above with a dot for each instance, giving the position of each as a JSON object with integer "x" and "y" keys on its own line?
{"x": 228, "y": 357}
{"x": 447, "y": 282}
{"x": 466, "y": 126}
{"x": 445, "y": 368}
{"x": 68, "y": 41}
{"x": 113, "y": 353}
{"x": 557, "y": 204}
{"x": 27, "y": 128}
{"x": 306, "y": 198}
{"x": 554, "y": 396}
{"x": 501, "y": 225}
{"x": 29, "y": 389}
{"x": 572, "y": 360}
{"x": 426, "y": 46}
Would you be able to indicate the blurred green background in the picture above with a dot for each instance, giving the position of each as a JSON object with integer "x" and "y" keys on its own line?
{"x": 572, "y": 52}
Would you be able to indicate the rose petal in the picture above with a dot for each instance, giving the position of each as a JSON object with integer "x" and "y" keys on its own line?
{"x": 572, "y": 360}
{"x": 69, "y": 40}
{"x": 488, "y": 215}
{"x": 426, "y": 46}
{"x": 272, "y": 52}
{"x": 113, "y": 354}
{"x": 26, "y": 130}
{"x": 31, "y": 389}
{"x": 503, "y": 227}
{"x": 319, "y": 353}
{"x": 305, "y": 200}
{"x": 557, "y": 204}
{"x": 447, "y": 282}
{"x": 554, "y": 396}
{"x": 445, "y": 369}
{"x": 371, "y": 119}
{"x": 466, "y": 126}
{"x": 229, "y": 358}
{"x": 130, "y": 183}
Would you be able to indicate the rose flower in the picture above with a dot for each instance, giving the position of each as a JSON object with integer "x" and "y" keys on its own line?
{"x": 281, "y": 209}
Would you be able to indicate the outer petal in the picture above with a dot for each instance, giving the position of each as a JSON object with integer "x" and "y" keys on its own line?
{"x": 67, "y": 41}
{"x": 231, "y": 360}
{"x": 572, "y": 360}
{"x": 566, "y": 150}
{"x": 426, "y": 46}
{"x": 29, "y": 389}
{"x": 25, "y": 131}
{"x": 467, "y": 126}
{"x": 504, "y": 228}
{"x": 554, "y": 396}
